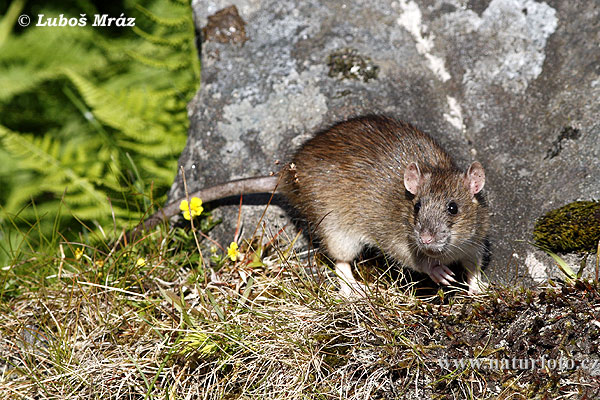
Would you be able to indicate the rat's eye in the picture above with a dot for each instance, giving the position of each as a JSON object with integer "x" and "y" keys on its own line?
{"x": 417, "y": 207}
{"x": 452, "y": 208}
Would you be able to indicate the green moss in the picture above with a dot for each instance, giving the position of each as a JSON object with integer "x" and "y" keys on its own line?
{"x": 347, "y": 63}
{"x": 571, "y": 228}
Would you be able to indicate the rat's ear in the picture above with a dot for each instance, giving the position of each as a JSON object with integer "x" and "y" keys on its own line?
{"x": 413, "y": 178}
{"x": 475, "y": 178}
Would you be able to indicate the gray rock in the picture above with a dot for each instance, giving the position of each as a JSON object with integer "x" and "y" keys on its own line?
{"x": 497, "y": 81}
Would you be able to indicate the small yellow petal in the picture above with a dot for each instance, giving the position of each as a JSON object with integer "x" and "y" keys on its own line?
{"x": 78, "y": 254}
{"x": 232, "y": 251}
{"x": 196, "y": 206}
{"x": 186, "y": 215}
{"x": 140, "y": 262}
{"x": 196, "y": 202}
{"x": 183, "y": 206}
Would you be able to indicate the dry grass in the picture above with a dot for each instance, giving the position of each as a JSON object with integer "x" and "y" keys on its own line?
{"x": 111, "y": 328}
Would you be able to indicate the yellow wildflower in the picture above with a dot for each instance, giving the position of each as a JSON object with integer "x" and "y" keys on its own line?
{"x": 191, "y": 210}
{"x": 78, "y": 254}
{"x": 232, "y": 251}
{"x": 140, "y": 262}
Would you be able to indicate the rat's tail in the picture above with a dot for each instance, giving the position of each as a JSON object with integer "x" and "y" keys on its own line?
{"x": 261, "y": 184}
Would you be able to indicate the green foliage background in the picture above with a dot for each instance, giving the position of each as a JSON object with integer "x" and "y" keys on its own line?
{"x": 92, "y": 119}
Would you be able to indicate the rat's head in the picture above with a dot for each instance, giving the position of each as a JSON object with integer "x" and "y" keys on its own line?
{"x": 448, "y": 214}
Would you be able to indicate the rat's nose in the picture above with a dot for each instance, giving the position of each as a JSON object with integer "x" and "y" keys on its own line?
{"x": 426, "y": 237}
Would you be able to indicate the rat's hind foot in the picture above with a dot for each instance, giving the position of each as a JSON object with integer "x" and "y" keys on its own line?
{"x": 348, "y": 285}
{"x": 352, "y": 289}
{"x": 476, "y": 285}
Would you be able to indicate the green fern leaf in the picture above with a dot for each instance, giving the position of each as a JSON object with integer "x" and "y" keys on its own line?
{"x": 162, "y": 174}
{"x": 165, "y": 21}
{"x": 169, "y": 146}
{"x": 153, "y": 62}
{"x": 118, "y": 112}
{"x": 122, "y": 130}
{"x": 175, "y": 40}
{"x": 42, "y": 54}
{"x": 42, "y": 156}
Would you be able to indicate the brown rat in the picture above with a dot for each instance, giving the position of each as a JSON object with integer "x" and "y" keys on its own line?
{"x": 376, "y": 181}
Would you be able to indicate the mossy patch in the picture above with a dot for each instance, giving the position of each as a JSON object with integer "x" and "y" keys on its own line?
{"x": 349, "y": 64}
{"x": 574, "y": 227}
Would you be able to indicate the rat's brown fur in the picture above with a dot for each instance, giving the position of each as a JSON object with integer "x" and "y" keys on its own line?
{"x": 348, "y": 181}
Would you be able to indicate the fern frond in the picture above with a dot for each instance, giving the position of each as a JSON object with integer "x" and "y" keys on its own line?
{"x": 164, "y": 21}
{"x": 161, "y": 174}
{"x": 121, "y": 112}
{"x": 43, "y": 156}
{"x": 174, "y": 40}
{"x": 29, "y": 189}
{"x": 95, "y": 149}
{"x": 42, "y": 54}
{"x": 169, "y": 146}
{"x": 176, "y": 65}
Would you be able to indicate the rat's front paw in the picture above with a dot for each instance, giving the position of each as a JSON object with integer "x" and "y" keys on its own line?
{"x": 441, "y": 275}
